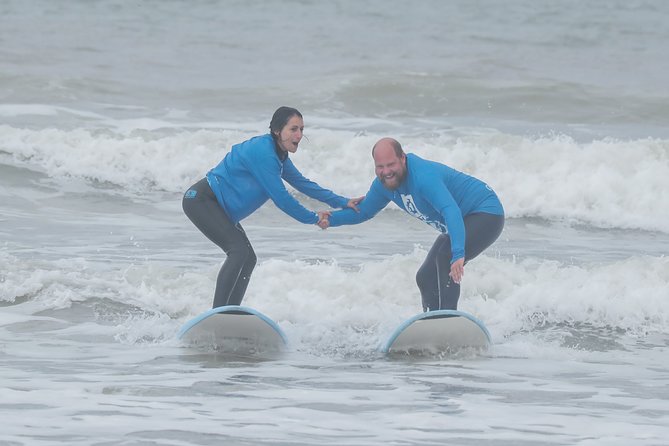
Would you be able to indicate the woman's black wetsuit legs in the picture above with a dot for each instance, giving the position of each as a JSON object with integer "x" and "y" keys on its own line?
{"x": 202, "y": 208}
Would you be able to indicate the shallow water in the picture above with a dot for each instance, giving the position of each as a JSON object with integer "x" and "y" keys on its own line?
{"x": 94, "y": 299}
{"x": 108, "y": 111}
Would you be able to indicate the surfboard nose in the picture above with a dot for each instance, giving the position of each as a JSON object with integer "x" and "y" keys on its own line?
{"x": 235, "y": 329}
{"x": 441, "y": 331}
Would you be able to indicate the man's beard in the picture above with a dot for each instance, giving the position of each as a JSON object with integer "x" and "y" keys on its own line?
{"x": 395, "y": 180}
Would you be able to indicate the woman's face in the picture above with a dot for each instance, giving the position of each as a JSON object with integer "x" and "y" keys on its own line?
{"x": 291, "y": 134}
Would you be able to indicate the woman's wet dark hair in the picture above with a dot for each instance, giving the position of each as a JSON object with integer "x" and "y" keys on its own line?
{"x": 280, "y": 119}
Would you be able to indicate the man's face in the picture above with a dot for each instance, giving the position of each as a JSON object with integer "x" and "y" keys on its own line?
{"x": 390, "y": 169}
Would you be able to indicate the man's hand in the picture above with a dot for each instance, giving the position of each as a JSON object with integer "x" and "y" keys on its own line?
{"x": 323, "y": 221}
{"x": 458, "y": 270}
{"x": 354, "y": 202}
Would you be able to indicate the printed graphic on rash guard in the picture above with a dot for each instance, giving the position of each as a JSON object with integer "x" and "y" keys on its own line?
{"x": 411, "y": 209}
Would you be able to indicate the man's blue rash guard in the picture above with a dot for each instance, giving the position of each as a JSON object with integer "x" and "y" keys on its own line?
{"x": 251, "y": 173}
{"x": 432, "y": 192}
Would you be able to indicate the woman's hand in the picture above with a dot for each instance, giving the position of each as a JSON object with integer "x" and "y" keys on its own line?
{"x": 354, "y": 202}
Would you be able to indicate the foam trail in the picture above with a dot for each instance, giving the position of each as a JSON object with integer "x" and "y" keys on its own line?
{"x": 326, "y": 308}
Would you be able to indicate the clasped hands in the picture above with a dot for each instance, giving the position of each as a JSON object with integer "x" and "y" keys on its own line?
{"x": 323, "y": 219}
{"x": 323, "y": 216}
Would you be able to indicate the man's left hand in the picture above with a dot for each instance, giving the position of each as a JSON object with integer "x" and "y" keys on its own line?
{"x": 458, "y": 270}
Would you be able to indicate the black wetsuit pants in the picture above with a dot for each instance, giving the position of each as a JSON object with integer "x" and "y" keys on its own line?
{"x": 202, "y": 208}
{"x": 437, "y": 289}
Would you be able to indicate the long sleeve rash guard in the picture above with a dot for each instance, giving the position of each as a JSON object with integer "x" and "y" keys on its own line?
{"x": 251, "y": 173}
{"x": 432, "y": 192}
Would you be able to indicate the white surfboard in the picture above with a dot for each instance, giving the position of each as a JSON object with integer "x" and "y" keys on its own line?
{"x": 234, "y": 329}
{"x": 435, "y": 332}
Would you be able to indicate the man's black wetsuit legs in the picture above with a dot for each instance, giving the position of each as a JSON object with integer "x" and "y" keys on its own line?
{"x": 437, "y": 289}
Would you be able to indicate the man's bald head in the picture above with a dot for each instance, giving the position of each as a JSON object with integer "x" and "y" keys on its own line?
{"x": 387, "y": 144}
{"x": 389, "y": 162}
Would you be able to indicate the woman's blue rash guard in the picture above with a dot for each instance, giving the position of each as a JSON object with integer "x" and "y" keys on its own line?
{"x": 251, "y": 173}
{"x": 432, "y": 192}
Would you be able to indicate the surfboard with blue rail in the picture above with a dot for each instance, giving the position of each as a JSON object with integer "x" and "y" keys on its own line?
{"x": 235, "y": 329}
{"x": 437, "y": 332}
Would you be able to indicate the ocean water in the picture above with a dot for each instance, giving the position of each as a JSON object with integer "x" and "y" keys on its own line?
{"x": 110, "y": 110}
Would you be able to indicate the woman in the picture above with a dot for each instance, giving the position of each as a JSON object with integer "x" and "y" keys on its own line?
{"x": 251, "y": 173}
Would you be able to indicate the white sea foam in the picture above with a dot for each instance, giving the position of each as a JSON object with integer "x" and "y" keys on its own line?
{"x": 607, "y": 183}
{"x": 324, "y": 307}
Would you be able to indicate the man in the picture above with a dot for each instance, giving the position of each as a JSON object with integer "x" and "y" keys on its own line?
{"x": 465, "y": 210}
